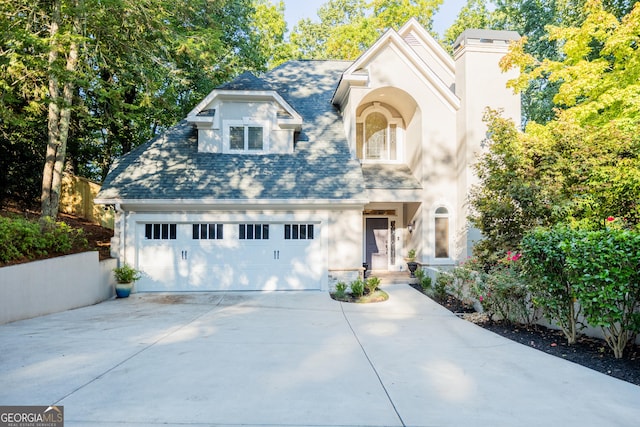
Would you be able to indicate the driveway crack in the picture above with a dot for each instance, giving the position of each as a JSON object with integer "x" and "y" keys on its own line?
{"x": 393, "y": 405}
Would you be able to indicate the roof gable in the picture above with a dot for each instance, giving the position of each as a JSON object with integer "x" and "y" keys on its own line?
{"x": 246, "y": 87}
{"x": 429, "y": 50}
{"x": 356, "y": 75}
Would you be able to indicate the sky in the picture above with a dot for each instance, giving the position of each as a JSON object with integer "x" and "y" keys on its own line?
{"x": 298, "y": 9}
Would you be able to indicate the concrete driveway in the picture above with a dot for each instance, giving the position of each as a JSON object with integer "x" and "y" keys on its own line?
{"x": 294, "y": 359}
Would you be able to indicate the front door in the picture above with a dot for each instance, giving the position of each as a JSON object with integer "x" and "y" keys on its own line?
{"x": 377, "y": 243}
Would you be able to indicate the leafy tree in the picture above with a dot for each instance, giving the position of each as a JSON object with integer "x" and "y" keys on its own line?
{"x": 112, "y": 73}
{"x": 348, "y": 27}
{"x": 581, "y": 167}
{"x": 474, "y": 14}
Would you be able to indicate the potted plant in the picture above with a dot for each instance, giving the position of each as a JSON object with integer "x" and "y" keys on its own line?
{"x": 411, "y": 262}
{"x": 125, "y": 276}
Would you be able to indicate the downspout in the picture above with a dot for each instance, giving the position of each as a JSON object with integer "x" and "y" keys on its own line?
{"x": 121, "y": 219}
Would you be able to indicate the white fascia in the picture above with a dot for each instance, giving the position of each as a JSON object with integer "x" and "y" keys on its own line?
{"x": 429, "y": 42}
{"x": 246, "y": 95}
{"x": 392, "y": 38}
{"x": 226, "y": 204}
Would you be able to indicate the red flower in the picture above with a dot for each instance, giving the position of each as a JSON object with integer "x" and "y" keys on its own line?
{"x": 611, "y": 219}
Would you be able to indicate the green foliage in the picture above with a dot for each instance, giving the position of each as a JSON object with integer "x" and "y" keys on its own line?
{"x": 23, "y": 239}
{"x": 513, "y": 195}
{"x": 341, "y": 289}
{"x": 502, "y": 292}
{"x": 424, "y": 280}
{"x": 444, "y": 281}
{"x": 371, "y": 284}
{"x": 348, "y": 27}
{"x": 474, "y": 14}
{"x": 411, "y": 255}
{"x": 357, "y": 288}
{"x": 141, "y": 67}
{"x": 598, "y": 269}
{"x": 604, "y": 271}
{"x": 582, "y": 166}
{"x": 544, "y": 263}
{"x": 126, "y": 274}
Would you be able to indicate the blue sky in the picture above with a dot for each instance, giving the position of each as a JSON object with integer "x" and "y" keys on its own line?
{"x": 298, "y": 9}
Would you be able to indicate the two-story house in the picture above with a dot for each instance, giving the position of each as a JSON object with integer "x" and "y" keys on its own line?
{"x": 294, "y": 179}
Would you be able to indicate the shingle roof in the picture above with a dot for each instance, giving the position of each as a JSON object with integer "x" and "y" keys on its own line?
{"x": 169, "y": 167}
{"x": 389, "y": 177}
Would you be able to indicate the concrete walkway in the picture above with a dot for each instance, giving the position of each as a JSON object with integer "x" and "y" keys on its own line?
{"x": 294, "y": 359}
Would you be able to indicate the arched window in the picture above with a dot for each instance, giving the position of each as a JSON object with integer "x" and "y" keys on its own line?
{"x": 377, "y": 134}
{"x": 442, "y": 232}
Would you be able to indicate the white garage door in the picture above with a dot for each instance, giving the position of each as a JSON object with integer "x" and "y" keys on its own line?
{"x": 230, "y": 256}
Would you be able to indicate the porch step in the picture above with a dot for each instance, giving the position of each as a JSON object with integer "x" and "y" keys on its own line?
{"x": 391, "y": 277}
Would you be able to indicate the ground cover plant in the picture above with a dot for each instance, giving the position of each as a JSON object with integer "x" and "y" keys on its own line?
{"x": 24, "y": 237}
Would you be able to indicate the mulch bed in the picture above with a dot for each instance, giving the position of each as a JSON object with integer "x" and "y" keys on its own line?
{"x": 589, "y": 352}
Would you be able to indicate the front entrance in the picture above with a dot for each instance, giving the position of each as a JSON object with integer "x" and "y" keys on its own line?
{"x": 377, "y": 243}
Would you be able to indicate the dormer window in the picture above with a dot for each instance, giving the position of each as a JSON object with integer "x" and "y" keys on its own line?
{"x": 378, "y": 135}
{"x": 245, "y": 136}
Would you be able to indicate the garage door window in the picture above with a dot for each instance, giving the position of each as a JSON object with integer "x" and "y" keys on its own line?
{"x": 207, "y": 232}
{"x": 160, "y": 231}
{"x": 298, "y": 231}
{"x": 253, "y": 231}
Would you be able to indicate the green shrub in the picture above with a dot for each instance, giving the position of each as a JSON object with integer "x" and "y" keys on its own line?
{"x": 357, "y": 288}
{"x": 371, "y": 284}
{"x": 502, "y": 292}
{"x": 545, "y": 268}
{"x": 423, "y": 280}
{"x": 126, "y": 274}
{"x": 341, "y": 289}
{"x": 603, "y": 267}
{"x": 21, "y": 238}
{"x": 443, "y": 281}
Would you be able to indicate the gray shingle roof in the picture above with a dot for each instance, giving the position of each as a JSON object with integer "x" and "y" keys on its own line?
{"x": 389, "y": 177}
{"x": 169, "y": 167}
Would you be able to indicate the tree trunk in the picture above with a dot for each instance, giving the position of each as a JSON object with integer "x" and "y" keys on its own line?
{"x": 59, "y": 115}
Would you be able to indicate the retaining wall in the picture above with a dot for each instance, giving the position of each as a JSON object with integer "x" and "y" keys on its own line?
{"x": 53, "y": 285}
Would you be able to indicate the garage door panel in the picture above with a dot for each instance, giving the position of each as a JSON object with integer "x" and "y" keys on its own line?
{"x": 230, "y": 263}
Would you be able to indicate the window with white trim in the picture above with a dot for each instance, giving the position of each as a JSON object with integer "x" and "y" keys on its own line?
{"x": 207, "y": 231}
{"x": 298, "y": 231}
{"x": 378, "y": 135}
{"x": 253, "y": 231}
{"x": 160, "y": 231}
{"x": 245, "y": 136}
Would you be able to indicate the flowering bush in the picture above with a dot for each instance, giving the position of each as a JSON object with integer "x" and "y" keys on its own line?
{"x": 502, "y": 293}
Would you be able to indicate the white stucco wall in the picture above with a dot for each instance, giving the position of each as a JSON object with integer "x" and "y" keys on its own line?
{"x": 480, "y": 83}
